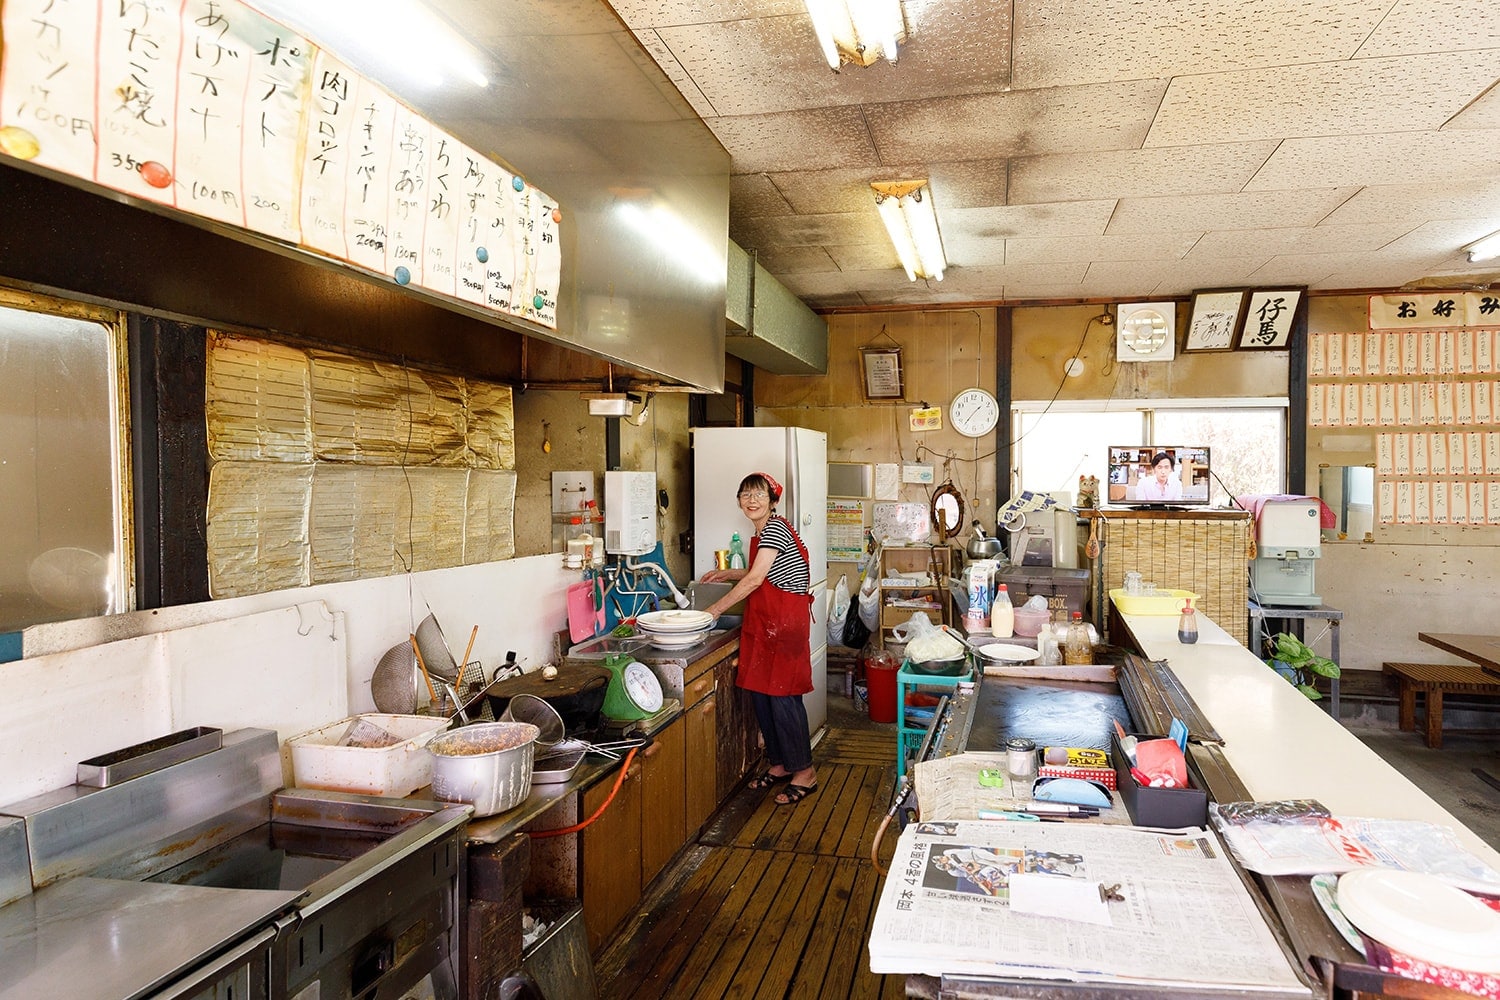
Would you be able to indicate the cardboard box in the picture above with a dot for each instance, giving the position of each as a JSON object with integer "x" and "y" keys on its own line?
{"x": 1171, "y": 808}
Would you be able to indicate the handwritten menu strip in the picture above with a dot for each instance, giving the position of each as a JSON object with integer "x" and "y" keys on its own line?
{"x": 213, "y": 109}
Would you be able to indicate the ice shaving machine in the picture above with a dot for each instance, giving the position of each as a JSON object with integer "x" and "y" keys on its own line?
{"x": 1288, "y": 542}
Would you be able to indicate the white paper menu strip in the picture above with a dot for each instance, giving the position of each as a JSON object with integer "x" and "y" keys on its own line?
{"x": 209, "y": 107}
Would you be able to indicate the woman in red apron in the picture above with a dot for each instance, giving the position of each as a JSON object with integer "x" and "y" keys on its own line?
{"x": 775, "y": 657}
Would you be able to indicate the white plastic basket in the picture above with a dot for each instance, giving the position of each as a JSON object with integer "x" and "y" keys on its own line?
{"x": 397, "y": 770}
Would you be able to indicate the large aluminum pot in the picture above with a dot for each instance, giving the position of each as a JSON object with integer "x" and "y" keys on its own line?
{"x": 487, "y": 765}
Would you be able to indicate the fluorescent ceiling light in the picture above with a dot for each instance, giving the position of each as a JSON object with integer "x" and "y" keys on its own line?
{"x": 398, "y": 39}
{"x": 857, "y": 31}
{"x": 1485, "y": 249}
{"x": 906, "y": 209}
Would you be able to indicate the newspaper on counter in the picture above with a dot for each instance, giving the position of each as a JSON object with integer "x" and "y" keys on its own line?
{"x": 1131, "y": 906}
{"x": 1300, "y": 837}
{"x": 949, "y": 788}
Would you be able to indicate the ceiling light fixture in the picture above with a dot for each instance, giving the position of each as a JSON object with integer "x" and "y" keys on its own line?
{"x": 1485, "y": 249}
{"x": 907, "y": 211}
{"x": 857, "y": 31}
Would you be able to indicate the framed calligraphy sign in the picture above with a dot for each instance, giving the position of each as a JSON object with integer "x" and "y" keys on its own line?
{"x": 1216, "y": 318}
{"x": 880, "y": 369}
{"x": 1269, "y": 313}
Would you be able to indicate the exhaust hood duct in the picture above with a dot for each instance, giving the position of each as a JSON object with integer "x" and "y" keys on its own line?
{"x": 767, "y": 325}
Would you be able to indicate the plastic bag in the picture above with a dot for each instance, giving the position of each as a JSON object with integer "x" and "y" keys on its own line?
{"x": 856, "y": 633}
{"x": 926, "y": 642}
{"x": 869, "y": 604}
{"x": 838, "y": 612}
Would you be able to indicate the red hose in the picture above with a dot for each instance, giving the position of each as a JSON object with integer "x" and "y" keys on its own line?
{"x": 619, "y": 780}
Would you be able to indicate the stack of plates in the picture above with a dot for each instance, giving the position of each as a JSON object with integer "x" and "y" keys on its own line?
{"x": 675, "y": 629}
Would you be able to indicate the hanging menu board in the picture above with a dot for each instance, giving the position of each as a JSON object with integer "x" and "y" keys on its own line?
{"x": 1425, "y": 378}
{"x": 211, "y": 108}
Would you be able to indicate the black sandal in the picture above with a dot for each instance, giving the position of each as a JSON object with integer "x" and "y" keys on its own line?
{"x": 792, "y": 794}
{"x": 766, "y": 779}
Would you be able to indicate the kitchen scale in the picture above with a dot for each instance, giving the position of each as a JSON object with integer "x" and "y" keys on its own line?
{"x": 670, "y": 709}
{"x": 634, "y": 691}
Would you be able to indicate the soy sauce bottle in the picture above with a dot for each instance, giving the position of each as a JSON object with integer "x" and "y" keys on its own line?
{"x": 1187, "y": 625}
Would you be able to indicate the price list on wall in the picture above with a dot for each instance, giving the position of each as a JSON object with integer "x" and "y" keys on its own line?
{"x": 1426, "y": 376}
{"x": 210, "y": 108}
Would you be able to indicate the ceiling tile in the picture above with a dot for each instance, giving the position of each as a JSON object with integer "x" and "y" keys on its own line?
{"x": 1447, "y": 236}
{"x": 796, "y": 260}
{"x": 1250, "y": 210}
{"x": 763, "y": 64}
{"x": 865, "y": 256}
{"x": 1392, "y": 158}
{"x": 843, "y": 229}
{"x": 1124, "y": 277}
{"x": 1414, "y": 27}
{"x": 659, "y": 13}
{"x": 659, "y": 51}
{"x": 1191, "y": 274}
{"x": 756, "y": 194}
{"x": 1015, "y": 274}
{"x": 837, "y": 190}
{"x": 796, "y": 140}
{"x": 1416, "y": 203}
{"x": 1061, "y": 249}
{"x": 969, "y": 183}
{"x": 1403, "y": 92}
{"x": 1085, "y": 41}
{"x": 1305, "y": 239}
{"x": 1135, "y": 173}
{"x": 1104, "y": 116}
{"x": 1484, "y": 112}
{"x": 1073, "y": 218}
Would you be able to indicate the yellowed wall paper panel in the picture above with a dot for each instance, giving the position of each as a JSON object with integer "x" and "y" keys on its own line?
{"x": 354, "y": 522}
{"x": 492, "y": 425}
{"x": 257, "y": 401}
{"x": 489, "y": 532}
{"x": 430, "y": 518}
{"x": 257, "y": 527}
{"x": 381, "y": 414}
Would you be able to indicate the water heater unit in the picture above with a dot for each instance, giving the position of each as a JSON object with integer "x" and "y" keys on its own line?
{"x": 629, "y": 513}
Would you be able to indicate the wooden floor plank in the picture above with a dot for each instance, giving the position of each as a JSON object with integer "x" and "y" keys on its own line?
{"x": 663, "y": 913}
{"x": 868, "y": 806}
{"x": 764, "y": 935}
{"x": 734, "y": 946}
{"x": 848, "y": 959}
{"x": 813, "y": 814}
{"x": 774, "y": 984}
{"x": 714, "y": 932}
{"x": 880, "y": 786}
{"x": 845, "y": 810}
{"x": 651, "y": 972}
{"x": 824, "y": 937}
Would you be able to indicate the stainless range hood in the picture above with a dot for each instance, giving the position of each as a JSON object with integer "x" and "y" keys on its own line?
{"x": 767, "y": 325}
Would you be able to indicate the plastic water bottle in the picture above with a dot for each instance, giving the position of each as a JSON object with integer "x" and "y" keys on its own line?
{"x": 1002, "y": 614}
{"x": 1187, "y": 625}
{"x": 1046, "y": 644}
{"x": 736, "y": 552}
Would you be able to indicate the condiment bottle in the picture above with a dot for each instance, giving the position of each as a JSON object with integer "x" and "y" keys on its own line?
{"x": 1002, "y": 615}
{"x": 1187, "y": 625}
{"x": 736, "y": 552}
{"x": 1077, "y": 649}
{"x": 1020, "y": 762}
{"x": 1046, "y": 643}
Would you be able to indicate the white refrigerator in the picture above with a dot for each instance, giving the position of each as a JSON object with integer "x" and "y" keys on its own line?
{"x": 795, "y": 457}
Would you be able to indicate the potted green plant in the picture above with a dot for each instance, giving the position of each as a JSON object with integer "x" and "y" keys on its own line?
{"x": 1295, "y": 660}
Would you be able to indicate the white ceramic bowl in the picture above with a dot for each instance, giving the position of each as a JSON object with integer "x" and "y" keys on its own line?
{"x": 677, "y": 641}
{"x": 674, "y": 621}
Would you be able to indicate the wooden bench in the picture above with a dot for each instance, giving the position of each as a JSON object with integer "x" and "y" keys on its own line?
{"x": 1432, "y": 680}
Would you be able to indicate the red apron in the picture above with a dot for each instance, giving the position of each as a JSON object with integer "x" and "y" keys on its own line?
{"x": 775, "y": 655}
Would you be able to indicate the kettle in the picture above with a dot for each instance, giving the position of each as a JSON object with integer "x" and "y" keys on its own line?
{"x": 982, "y": 546}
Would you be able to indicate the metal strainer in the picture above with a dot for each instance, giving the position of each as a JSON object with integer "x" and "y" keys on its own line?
{"x": 530, "y": 708}
{"x": 394, "y": 683}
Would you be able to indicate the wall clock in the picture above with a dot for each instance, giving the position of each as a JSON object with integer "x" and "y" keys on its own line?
{"x": 974, "y": 412}
{"x": 1146, "y": 331}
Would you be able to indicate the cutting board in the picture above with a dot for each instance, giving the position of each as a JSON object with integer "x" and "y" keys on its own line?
{"x": 581, "y": 610}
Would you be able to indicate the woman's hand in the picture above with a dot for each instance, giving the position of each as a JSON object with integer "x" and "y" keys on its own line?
{"x": 722, "y": 575}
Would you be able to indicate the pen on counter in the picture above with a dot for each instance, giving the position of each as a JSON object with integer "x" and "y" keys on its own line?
{"x": 1022, "y": 816}
{"x": 1056, "y": 809}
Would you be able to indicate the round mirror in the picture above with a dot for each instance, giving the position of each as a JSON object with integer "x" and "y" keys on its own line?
{"x": 947, "y": 510}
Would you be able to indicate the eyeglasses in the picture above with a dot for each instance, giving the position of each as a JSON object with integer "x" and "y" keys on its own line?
{"x": 752, "y": 495}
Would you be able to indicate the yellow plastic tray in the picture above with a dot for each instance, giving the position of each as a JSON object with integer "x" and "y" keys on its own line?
{"x": 1140, "y": 604}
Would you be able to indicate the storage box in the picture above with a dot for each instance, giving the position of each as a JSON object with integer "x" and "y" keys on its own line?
{"x": 1066, "y": 590}
{"x": 1171, "y": 808}
{"x": 394, "y": 771}
{"x": 1167, "y": 602}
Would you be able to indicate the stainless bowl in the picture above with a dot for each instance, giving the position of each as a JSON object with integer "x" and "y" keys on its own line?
{"x": 951, "y": 667}
{"x": 487, "y": 765}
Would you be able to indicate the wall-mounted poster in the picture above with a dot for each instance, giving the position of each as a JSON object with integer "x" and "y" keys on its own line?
{"x": 1268, "y": 318}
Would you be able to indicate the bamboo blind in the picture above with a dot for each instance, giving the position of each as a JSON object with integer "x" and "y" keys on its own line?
{"x": 1207, "y": 556}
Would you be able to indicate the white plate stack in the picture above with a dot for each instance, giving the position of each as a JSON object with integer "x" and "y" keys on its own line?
{"x": 675, "y": 629}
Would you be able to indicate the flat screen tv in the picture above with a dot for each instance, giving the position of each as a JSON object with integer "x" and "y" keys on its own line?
{"x": 1158, "y": 475}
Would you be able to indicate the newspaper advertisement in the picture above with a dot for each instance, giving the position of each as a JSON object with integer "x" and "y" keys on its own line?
{"x": 1073, "y": 902}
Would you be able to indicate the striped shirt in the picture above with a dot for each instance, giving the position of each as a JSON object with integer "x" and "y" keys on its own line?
{"x": 789, "y": 570}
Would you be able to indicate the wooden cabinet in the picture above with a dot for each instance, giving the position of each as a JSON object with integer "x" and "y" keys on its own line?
{"x": 612, "y": 856}
{"x": 928, "y": 595}
{"x": 701, "y": 737}
{"x": 663, "y": 800}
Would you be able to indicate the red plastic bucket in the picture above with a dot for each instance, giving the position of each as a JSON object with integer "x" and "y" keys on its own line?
{"x": 880, "y": 689}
